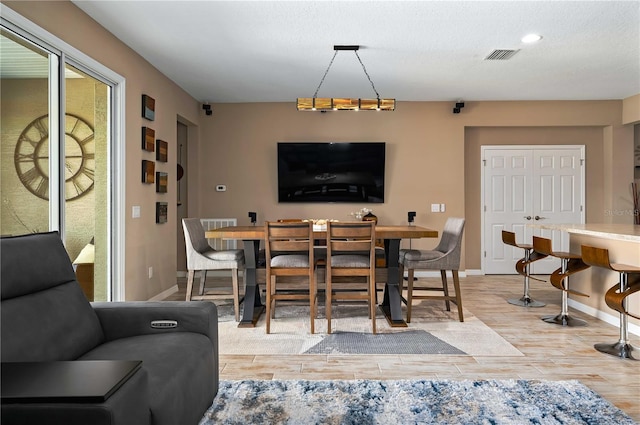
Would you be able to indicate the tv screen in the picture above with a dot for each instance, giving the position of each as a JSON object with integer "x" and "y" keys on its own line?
{"x": 331, "y": 172}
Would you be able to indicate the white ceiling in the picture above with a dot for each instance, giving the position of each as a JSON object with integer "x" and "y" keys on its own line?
{"x": 264, "y": 51}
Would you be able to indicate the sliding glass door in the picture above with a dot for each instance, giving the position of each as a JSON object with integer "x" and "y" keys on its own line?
{"x": 55, "y": 150}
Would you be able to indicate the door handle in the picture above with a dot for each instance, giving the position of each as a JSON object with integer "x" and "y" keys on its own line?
{"x": 528, "y": 217}
{"x": 539, "y": 218}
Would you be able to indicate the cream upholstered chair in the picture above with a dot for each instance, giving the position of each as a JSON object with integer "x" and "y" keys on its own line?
{"x": 351, "y": 253}
{"x": 446, "y": 256}
{"x": 289, "y": 252}
{"x": 202, "y": 257}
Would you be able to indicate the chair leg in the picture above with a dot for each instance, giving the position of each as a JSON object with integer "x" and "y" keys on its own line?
{"x": 203, "y": 278}
{"x": 456, "y": 286}
{"x": 409, "y": 294}
{"x": 445, "y": 289}
{"x": 312, "y": 300}
{"x": 190, "y": 275}
{"x": 327, "y": 299}
{"x": 268, "y": 312}
{"x": 372, "y": 301}
{"x": 236, "y": 295}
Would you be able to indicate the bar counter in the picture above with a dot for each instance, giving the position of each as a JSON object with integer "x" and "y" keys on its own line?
{"x": 623, "y": 243}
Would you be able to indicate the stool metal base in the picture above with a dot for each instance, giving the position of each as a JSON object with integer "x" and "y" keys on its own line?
{"x": 525, "y": 302}
{"x": 564, "y": 320}
{"x": 619, "y": 349}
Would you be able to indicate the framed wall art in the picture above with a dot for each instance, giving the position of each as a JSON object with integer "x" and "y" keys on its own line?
{"x": 148, "y": 171}
{"x": 162, "y": 180}
{"x": 162, "y": 150}
{"x": 161, "y": 212}
{"x": 148, "y": 138}
{"x": 148, "y": 107}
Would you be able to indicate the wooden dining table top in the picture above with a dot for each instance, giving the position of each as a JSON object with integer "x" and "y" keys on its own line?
{"x": 382, "y": 232}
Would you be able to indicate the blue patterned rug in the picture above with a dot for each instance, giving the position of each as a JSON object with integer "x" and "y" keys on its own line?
{"x": 363, "y": 402}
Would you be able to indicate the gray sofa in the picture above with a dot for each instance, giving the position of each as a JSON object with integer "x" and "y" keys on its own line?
{"x": 46, "y": 317}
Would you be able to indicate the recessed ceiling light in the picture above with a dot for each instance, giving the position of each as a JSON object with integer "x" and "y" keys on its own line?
{"x": 531, "y": 38}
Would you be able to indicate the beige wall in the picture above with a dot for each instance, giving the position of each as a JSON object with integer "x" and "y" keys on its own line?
{"x": 236, "y": 146}
{"x": 433, "y": 156}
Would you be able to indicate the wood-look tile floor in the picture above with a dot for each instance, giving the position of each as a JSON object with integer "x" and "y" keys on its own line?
{"x": 551, "y": 352}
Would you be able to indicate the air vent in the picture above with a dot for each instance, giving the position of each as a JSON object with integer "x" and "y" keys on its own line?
{"x": 501, "y": 55}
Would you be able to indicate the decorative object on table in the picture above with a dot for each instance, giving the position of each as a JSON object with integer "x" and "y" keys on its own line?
{"x": 412, "y": 401}
{"x": 254, "y": 217}
{"x": 324, "y": 104}
{"x": 161, "y": 212}
{"x": 31, "y": 157}
{"x": 148, "y": 139}
{"x": 148, "y": 171}
{"x": 162, "y": 180}
{"x": 148, "y": 107}
{"x": 358, "y": 215}
{"x": 411, "y": 215}
{"x": 162, "y": 151}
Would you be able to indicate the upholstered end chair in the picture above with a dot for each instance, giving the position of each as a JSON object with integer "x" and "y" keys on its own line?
{"x": 46, "y": 318}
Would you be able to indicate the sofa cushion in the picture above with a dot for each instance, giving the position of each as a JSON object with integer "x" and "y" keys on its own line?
{"x": 172, "y": 359}
{"x": 45, "y": 315}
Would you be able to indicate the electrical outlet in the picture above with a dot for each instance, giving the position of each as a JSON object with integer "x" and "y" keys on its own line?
{"x": 435, "y": 207}
{"x": 135, "y": 211}
{"x": 150, "y": 272}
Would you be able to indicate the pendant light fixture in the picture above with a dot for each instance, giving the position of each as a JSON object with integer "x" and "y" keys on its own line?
{"x": 324, "y": 104}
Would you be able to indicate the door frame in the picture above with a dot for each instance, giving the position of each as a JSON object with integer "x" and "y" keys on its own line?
{"x": 484, "y": 148}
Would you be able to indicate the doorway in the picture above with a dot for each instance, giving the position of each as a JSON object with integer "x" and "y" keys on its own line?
{"x": 525, "y": 185}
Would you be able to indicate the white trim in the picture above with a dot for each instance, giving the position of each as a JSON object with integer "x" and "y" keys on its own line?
{"x": 116, "y": 249}
{"x": 605, "y": 317}
{"x": 164, "y": 294}
{"x": 417, "y": 273}
{"x": 474, "y": 272}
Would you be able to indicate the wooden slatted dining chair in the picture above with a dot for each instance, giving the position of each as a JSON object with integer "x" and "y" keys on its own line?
{"x": 351, "y": 254}
{"x": 289, "y": 252}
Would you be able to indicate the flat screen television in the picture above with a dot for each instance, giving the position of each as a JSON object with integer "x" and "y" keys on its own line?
{"x": 331, "y": 172}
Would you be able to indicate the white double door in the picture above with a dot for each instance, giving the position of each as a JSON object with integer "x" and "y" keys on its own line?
{"x": 525, "y": 185}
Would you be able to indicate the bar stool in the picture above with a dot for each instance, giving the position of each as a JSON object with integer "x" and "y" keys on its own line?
{"x": 569, "y": 264}
{"x": 616, "y": 298}
{"x": 522, "y": 267}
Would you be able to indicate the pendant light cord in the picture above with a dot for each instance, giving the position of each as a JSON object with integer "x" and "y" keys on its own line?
{"x": 315, "y": 95}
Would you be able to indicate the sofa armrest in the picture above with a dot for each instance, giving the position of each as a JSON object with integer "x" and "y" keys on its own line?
{"x": 125, "y": 319}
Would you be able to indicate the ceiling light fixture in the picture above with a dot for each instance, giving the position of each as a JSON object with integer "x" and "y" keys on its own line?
{"x": 324, "y": 104}
{"x": 531, "y": 38}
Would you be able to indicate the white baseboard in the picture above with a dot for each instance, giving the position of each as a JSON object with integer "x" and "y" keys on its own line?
{"x": 164, "y": 294}
{"x": 210, "y": 273}
{"x": 605, "y": 317}
{"x": 418, "y": 273}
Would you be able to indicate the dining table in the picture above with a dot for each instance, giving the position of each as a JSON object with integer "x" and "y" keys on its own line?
{"x": 252, "y": 236}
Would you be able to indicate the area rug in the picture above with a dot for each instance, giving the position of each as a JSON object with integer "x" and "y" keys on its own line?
{"x": 433, "y": 330}
{"x": 364, "y": 402}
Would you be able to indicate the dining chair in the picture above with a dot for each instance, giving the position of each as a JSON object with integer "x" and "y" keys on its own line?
{"x": 445, "y": 257}
{"x": 351, "y": 254}
{"x": 202, "y": 257}
{"x": 289, "y": 252}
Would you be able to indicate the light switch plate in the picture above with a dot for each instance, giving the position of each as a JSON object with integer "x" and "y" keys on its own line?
{"x": 441, "y": 207}
{"x": 435, "y": 207}
{"x": 135, "y": 211}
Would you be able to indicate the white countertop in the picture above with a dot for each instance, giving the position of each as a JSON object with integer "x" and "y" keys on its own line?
{"x": 622, "y": 232}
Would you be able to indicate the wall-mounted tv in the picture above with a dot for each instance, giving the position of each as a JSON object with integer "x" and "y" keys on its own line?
{"x": 331, "y": 172}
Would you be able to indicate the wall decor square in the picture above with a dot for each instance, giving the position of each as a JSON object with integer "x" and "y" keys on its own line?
{"x": 148, "y": 107}
{"x": 161, "y": 212}
{"x": 162, "y": 180}
{"x": 162, "y": 151}
{"x": 148, "y": 138}
{"x": 148, "y": 171}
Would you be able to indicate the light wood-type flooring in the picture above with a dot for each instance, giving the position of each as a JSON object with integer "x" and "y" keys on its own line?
{"x": 551, "y": 352}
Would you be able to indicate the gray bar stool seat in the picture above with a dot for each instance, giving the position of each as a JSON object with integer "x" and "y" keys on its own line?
{"x": 522, "y": 267}
{"x": 569, "y": 264}
{"x": 616, "y": 298}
